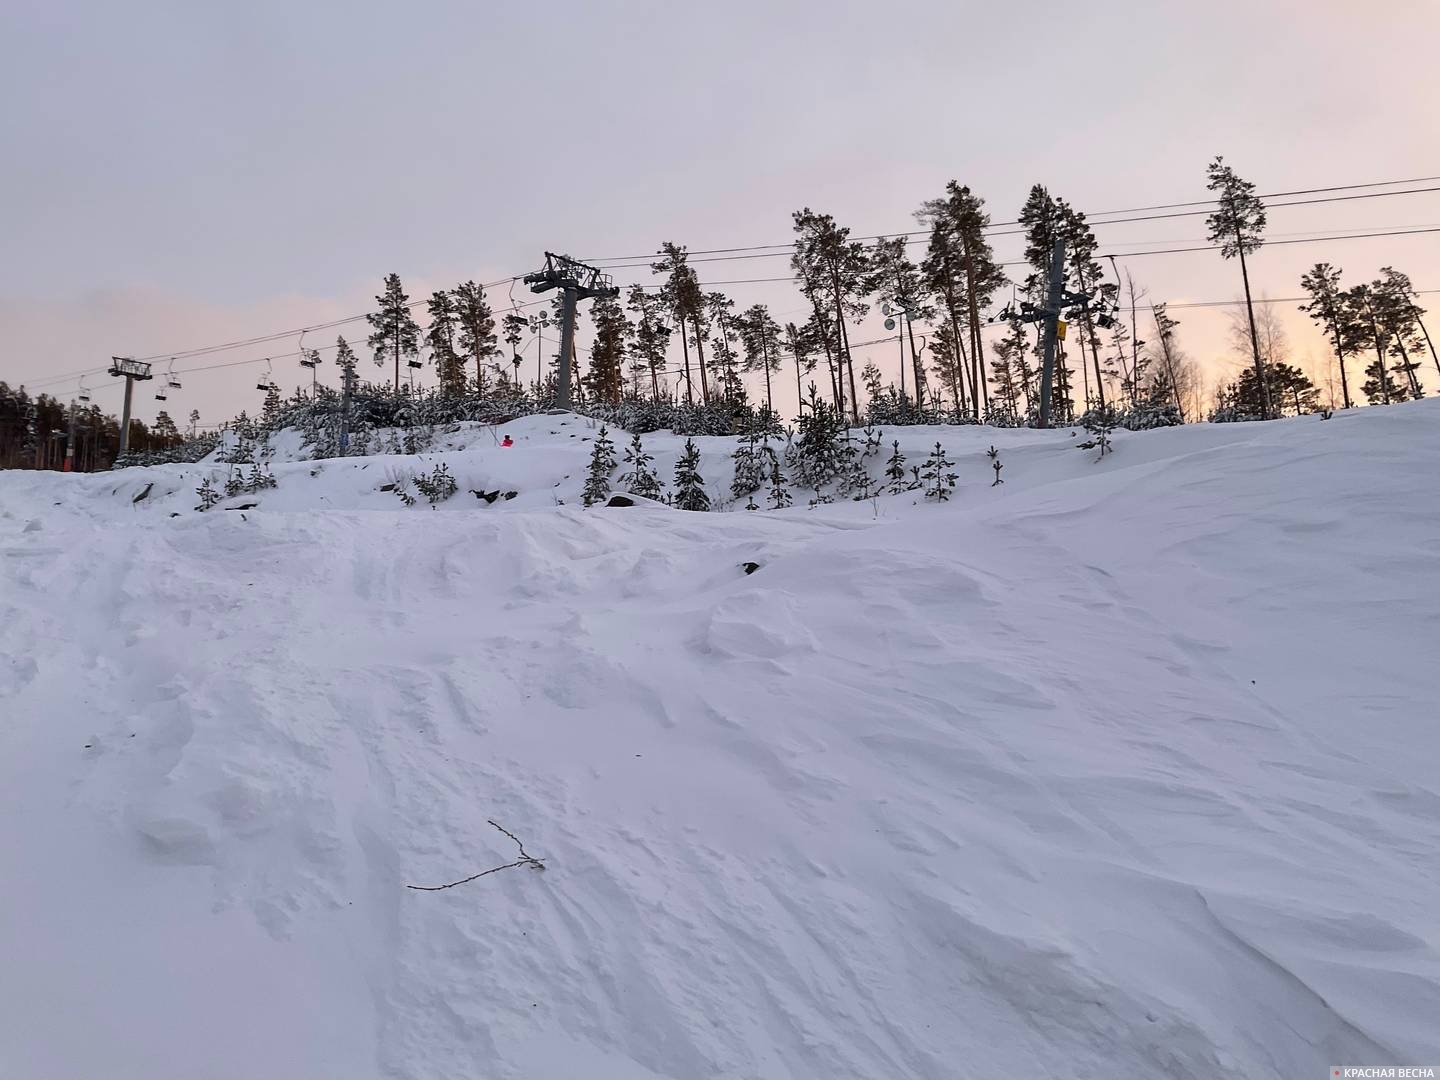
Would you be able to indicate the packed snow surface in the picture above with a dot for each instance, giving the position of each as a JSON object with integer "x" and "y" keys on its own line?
{"x": 1120, "y": 769}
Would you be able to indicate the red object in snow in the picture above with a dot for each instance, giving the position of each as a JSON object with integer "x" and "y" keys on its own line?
{"x": 507, "y": 441}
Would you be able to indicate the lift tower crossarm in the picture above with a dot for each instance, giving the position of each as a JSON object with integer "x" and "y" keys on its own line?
{"x": 576, "y": 282}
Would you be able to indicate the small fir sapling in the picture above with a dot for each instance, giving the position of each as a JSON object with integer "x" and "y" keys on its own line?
{"x": 1099, "y": 423}
{"x": 939, "y": 480}
{"x": 640, "y": 479}
{"x": 994, "y": 456}
{"x": 602, "y": 464}
{"x": 779, "y": 496}
{"x": 689, "y": 484}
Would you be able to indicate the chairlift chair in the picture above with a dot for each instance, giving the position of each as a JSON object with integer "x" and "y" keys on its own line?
{"x": 84, "y": 396}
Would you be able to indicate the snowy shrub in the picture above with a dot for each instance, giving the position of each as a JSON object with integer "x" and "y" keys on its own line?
{"x": 438, "y": 486}
{"x": 185, "y": 453}
{"x": 208, "y": 495}
{"x": 1099, "y": 422}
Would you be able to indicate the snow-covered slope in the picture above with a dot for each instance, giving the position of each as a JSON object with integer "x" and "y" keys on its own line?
{"x": 1127, "y": 769}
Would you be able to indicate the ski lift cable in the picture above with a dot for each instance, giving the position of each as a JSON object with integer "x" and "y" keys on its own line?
{"x": 1091, "y": 218}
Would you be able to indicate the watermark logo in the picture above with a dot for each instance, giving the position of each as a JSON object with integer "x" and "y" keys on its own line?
{"x": 1385, "y": 1072}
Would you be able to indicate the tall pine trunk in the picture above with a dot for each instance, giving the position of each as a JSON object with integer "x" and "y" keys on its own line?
{"x": 1409, "y": 371}
{"x": 847, "y": 362}
{"x": 685, "y": 352}
{"x": 765, "y": 352}
{"x": 1091, "y": 339}
{"x": 1433, "y": 355}
{"x": 1264, "y": 383}
{"x": 977, "y": 350}
{"x": 700, "y": 354}
{"x": 1379, "y": 356}
{"x": 960, "y": 360}
{"x": 915, "y": 360}
{"x": 1340, "y": 356}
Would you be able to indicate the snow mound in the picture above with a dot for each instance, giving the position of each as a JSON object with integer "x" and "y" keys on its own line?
{"x": 1120, "y": 769}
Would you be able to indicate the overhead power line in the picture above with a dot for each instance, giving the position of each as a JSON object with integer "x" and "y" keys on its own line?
{"x": 769, "y": 251}
{"x": 1129, "y": 254}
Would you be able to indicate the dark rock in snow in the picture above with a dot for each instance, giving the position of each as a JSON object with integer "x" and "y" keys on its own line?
{"x": 620, "y": 500}
{"x": 750, "y": 567}
{"x": 144, "y": 492}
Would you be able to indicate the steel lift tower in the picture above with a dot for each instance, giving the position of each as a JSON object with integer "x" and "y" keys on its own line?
{"x": 578, "y": 282}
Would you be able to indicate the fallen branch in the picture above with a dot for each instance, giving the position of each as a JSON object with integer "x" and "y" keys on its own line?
{"x": 526, "y": 859}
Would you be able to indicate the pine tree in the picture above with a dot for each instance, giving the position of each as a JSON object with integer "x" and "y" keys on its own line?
{"x": 760, "y": 337}
{"x": 440, "y": 336}
{"x": 208, "y": 495}
{"x": 476, "y": 322}
{"x": 944, "y": 276}
{"x": 749, "y": 471}
{"x": 815, "y": 454}
{"x": 779, "y": 496}
{"x": 164, "y": 429}
{"x": 1085, "y": 275}
{"x": 896, "y": 279}
{"x": 725, "y": 361}
{"x": 606, "y": 377}
{"x": 939, "y": 480}
{"x": 961, "y": 213}
{"x": 1041, "y": 219}
{"x": 828, "y": 263}
{"x": 1379, "y": 387}
{"x": 1170, "y": 355}
{"x": 271, "y": 409}
{"x": 1100, "y": 422}
{"x": 640, "y": 479}
{"x": 1007, "y": 383}
{"x": 396, "y": 333}
{"x": 513, "y": 329}
{"x": 870, "y": 379}
{"x": 948, "y": 363}
{"x": 1400, "y": 318}
{"x": 651, "y": 337}
{"x": 683, "y": 298}
{"x": 802, "y": 343}
{"x": 1238, "y": 226}
{"x": 895, "y": 471}
{"x": 602, "y": 464}
{"x": 344, "y": 355}
{"x": 689, "y": 484}
{"x": 1336, "y": 318}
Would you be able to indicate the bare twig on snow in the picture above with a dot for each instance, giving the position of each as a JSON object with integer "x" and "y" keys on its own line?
{"x": 526, "y": 859}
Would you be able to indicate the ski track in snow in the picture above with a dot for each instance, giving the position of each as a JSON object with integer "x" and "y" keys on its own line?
{"x": 1124, "y": 769}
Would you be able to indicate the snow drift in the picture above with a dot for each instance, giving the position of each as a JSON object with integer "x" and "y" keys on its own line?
{"x": 1120, "y": 769}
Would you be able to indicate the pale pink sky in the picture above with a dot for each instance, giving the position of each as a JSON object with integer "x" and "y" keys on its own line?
{"x": 179, "y": 175}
